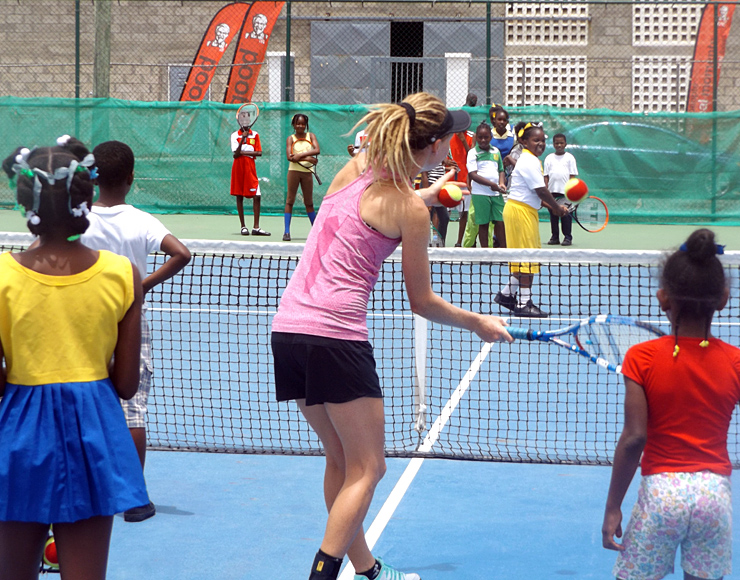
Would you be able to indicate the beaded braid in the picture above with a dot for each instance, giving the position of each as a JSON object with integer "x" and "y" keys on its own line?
{"x": 675, "y": 335}
{"x": 49, "y": 205}
{"x": 9, "y": 161}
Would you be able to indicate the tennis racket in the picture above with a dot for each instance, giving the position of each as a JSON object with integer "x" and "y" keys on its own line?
{"x": 602, "y": 339}
{"x": 591, "y": 214}
{"x": 301, "y": 146}
{"x": 247, "y": 116}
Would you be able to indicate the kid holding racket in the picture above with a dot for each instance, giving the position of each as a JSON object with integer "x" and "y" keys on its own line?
{"x": 681, "y": 391}
{"x": 527, "y": 192}
{"x": 301, "y": 149}
{"x": 66, "y": 456}
{"x": 559, "y": 168}
{"x": 323, "y": 359}
{"x": 245, "y": 145}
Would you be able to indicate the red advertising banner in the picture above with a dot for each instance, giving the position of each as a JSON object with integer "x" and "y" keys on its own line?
{"x": 224, "y": 27}
{"x": 701, "y": 89}
{"x": 250, "y": 51}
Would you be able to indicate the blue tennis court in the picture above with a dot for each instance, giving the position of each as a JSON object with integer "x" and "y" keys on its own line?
{"x": 227, "y": 516}
{"x": 543, "y": 421}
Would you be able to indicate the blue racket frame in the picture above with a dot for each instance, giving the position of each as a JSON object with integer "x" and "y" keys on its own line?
{"x": 554, "y": 336}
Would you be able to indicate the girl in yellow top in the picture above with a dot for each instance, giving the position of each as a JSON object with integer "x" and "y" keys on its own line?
{"x": 66, "y": 456}
{"x": 301, "y": 148}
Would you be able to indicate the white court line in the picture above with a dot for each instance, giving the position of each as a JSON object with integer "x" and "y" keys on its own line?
{"x": 389, "y": 507}
{"x": 199, "y": 310}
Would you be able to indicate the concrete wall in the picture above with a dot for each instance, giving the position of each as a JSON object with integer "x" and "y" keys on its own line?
{"x": 38, "y": 39}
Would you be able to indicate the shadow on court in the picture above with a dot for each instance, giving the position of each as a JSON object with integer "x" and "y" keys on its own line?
{"x": 225, "y": 516}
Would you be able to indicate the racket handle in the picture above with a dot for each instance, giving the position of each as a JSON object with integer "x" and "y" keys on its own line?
{"x": 519, "y": 333}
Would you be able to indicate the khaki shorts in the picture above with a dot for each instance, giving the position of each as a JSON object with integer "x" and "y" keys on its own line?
{"x": 135, "y": 408}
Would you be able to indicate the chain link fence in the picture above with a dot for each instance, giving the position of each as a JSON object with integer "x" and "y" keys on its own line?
{"x": 638, "y": 57}
{"x": 619, "y": 78}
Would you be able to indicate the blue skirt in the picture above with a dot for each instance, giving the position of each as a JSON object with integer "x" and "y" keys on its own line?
{"x": 66, "y": 454}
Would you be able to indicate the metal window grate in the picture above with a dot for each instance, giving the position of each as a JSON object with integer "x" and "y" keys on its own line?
{"x": 660, "y": 24}
{"x": 559, "y": 81}
{"x": 660, "y": 83}
{"x": 560, "y": 24}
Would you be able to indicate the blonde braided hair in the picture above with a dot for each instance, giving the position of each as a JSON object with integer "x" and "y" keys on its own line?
{"x": 394, "y": 136}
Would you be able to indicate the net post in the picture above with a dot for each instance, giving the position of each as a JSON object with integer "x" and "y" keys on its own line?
{"x": 420, "y": 378}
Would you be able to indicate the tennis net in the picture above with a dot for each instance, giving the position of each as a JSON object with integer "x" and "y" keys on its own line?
{"x": 521, "y": 402}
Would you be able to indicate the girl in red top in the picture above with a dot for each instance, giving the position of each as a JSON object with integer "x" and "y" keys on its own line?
{"x": 681, "y": 391}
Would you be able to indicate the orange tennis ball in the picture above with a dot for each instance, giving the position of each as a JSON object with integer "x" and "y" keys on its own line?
{"x": 50, "y": 553}
{"x": 576, "y": 190}
{"x": 450, "y": 195}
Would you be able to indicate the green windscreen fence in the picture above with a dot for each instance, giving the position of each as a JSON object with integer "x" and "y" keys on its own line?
{"x": 658, "y": 168}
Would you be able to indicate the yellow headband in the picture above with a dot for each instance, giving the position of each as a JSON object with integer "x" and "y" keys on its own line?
{"x": 527, "y": 126}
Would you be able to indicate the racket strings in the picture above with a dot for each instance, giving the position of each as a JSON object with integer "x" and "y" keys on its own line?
{"x": 591, "y": 213}
{"x": 612, "y": 341}
{"x": 247, "y": 115}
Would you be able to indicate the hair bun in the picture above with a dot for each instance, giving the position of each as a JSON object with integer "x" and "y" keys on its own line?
{"x": 701, "y": 246}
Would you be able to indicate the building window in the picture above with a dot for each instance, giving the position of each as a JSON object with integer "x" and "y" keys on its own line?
{"x": 559, "y": 81}
{"x": 551, "y": 24}
{"x": 665, "y": 23}
{"x": 660, "y": 83}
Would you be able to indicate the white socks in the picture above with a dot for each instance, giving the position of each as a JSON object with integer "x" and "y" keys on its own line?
{"x": 512, "y": 287}
{"x": 525, "y": 295}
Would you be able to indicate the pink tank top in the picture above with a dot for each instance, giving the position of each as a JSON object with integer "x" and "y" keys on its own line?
{"x": 327, "y": 294}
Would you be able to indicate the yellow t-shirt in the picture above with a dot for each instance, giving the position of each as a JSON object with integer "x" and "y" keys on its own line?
{"x": 61, "y": 329}
{"x": 300, "y": 146}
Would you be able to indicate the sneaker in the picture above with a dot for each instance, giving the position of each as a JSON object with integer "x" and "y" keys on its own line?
{"x": 529, "y": 310}
{"x": 140, "y": 514}
{"x": 553, "y": 241}
{"x": 567, "y": 242}
{"x": 505, "y": 301}
{"x": 260, "y": 232}
{"x": 245, "y": 231}
{"x": 388, "y": 573}
{"x": 286, "y": 237}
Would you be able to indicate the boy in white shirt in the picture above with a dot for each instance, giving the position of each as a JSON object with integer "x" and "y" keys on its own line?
{"x": 122, "y": 229}
{"x": 559, "y": 168}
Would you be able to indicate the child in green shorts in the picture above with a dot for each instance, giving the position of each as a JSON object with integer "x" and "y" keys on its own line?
{"x": 487, "y": 184}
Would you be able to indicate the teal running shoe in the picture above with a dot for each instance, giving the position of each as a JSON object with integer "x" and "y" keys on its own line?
{"x": 389, "y": 573}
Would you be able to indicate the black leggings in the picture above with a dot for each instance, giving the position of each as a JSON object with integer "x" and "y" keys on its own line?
{"x": 567, "y": 221}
